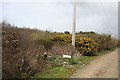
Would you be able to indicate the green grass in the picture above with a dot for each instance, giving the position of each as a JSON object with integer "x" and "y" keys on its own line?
{"x": 105, "y": 52}
{"x": 56, "y": 72}
{"x": 82, "y": 61}
{"x": 85, "y": 59}
{"x": 64, "y": 72}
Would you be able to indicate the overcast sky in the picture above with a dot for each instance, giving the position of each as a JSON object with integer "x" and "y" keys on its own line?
{"x": 55, "y": 15}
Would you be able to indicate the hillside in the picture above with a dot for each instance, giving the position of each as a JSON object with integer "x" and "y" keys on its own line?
{"x": 26, "y": 52}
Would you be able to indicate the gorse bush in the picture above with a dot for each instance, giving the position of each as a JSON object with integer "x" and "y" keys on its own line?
{"x": 84, "y": 45}
{"x": 87, "y": 46}
{"x": 62, "y": 38}
{"x": 104, "y": 41}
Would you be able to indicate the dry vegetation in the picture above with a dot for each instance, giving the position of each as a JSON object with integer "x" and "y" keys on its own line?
{"x": 21, "y": 54}
{"x": 23, "y": 48}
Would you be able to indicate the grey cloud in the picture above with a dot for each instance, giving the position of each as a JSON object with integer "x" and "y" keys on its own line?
{"x": 100, "y": 17}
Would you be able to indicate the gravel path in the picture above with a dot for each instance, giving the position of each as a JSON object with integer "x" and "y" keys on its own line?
{"x": 105, "y": 66}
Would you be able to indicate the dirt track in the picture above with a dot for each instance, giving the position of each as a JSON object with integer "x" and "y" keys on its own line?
{"x": 105, "y": 66}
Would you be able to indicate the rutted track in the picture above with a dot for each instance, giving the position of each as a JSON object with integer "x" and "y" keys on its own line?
{"x": 105, "y": 66}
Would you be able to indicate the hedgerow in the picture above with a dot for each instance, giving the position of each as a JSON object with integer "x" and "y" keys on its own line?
{"x": 84, "y": 45}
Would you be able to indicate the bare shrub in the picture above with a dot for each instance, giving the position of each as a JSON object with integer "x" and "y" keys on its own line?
{"x": 21, "y": 54}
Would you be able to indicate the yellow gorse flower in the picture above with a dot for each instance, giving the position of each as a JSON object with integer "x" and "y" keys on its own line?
{"x": 86, "y": 45}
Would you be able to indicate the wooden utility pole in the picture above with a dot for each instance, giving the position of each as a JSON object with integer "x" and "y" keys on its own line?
{"x": 74, "y": 23}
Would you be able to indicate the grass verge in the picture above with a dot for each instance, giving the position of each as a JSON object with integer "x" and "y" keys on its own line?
{"x": 63, "y": 71}
{"x": 67, "y": 71}
{"x": 105, "y": 52}
{"x": 56, "y": 72}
